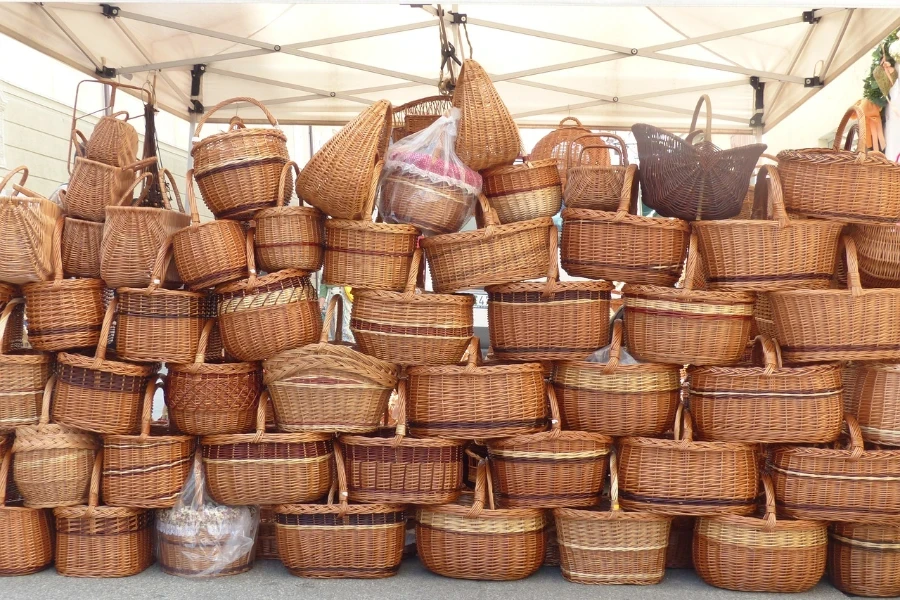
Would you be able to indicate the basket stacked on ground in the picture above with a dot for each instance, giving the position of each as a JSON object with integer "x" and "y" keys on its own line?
{"x": 591, "y": 182}
{"x": 23, "y": 373}
{"x": 524, "y": 191}
{"x": 864, "y": 559}
{"x": 25, "y": 533}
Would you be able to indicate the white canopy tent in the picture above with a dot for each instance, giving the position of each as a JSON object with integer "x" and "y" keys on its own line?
{"x": 321, "y": 63}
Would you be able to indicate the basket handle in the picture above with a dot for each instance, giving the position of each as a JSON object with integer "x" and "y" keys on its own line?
{"x": 400, "y": 430}
{"x": 74, "y": 138}
{"x": 576, "y": 142}
{"x": 161, "y": 265}
{"x": 613, "y": 482}
{"x": 484, "y": 487}
{"x": 770, "y": 517}
{"x": 707, "y": 132}
{"x": 200, "y": 357}
{"x": 341, "y": 473}
{"x": 412, "y": 277}
{"x": 147, "y": 409}
{"x": 622, "y": 160}
{"x": 6, "y": 315}
{"x": 769, "y": 188}
{"x": 373, "y": 190}
{"x": 4, "y": 476}
{"x": 771, "y": 353}
{"x": 56, "y": 250}
{"x": 251, "y": 257}
{"x": 100, "y": 352}
{"x": 857, "y": 446}
{"x": 192, "y": 198}
{"x": 284, "y": 194}
{"x": 45, "y": 401}
{"x": 684, "y": 426}
{"x": 261, "y": 416}
{"x": 627, "y": 205}
{"x": 119, "y": 113}
{"x": 128, "y": 195}
{"x": 575, "y": 119}
{"x": 490, "y": 215}
{"x": 555, "y": 421}
{"x": 623, "y": 147}
{"x": 473, "y": 354}
{"x": 853, "y": 282}
{"x": 615, "y": 348}
{"x": 94, "y": 496}
{"x": 553, "y": 271}
{"x": 271, "y": 118}
{"x": 165, "y": 198}
{"x": 856, "y": 113}
{"x": 334, "y": 310}
{"x": 693, "y": 263}
{"x": 6, "y": 179}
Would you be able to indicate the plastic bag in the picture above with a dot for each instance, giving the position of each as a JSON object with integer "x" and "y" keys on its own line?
{"x": 425, "y": 184}
{"x": 199, "y": 537}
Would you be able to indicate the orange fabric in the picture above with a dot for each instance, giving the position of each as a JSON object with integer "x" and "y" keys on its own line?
{"x": 874, "y": 130}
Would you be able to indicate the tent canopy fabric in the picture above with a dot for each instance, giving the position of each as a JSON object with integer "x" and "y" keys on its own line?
{"x": 322, "y": 63}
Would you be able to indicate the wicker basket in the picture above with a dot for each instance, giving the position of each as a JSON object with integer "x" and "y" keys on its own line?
{"x": 548, "y": 321}
{"x": 391, "y": 467}
{"x": 113, "y": 141}
{"x": 551, "y": 469}
{"x": 877, "y": 253}
{"x": 26, "y": 233}
{"x": 620, "y": 246}
{"x": 687, "y": 326}
{"x": 362, "y": 541}
{"x": 289, "y": 237}
{"x": 329, "y": 387}
{"x": 845, "y": 186}
{"x": 476, "y": 401}
{"x": 102, "y": 541}
{"x": 267, "y": 468}
{"x": 591, "y": 182}
{"x": 748, "y": 554}
{"x": 557, "y": 144}
{"x": 471, "y": 539}
{"x": 493, "y": 255}
{"x": 681, "y": 542}
{"x": 23, "y": 375}
{"x": 870, "y": 397}
{"x": 769, "y": 404}
{"x": 815, "y": 325}
{"x": 53, "y": 462}
{"x": 208, "y": 398}
{"x": 341, "y": 179}
{"x": 416, "y": 115}
{"x": 26, "y": 544}
{"x": 238, "y": 170}
{"x": 260, "y": 317}
{"x": 367, "y": 255}
{"x": 434, "y": 207}
{"x": 616, "y": 399}
{"x": 682, "y": 477}
{"x": 837, "y": 484}
{"x": 693, "y": 181}
{"x": 81, "y": 247}
{"x": 864, "y": 560}
{"x": 487, "y": 135}
{"x": 209, "y": 254}
{"x": 612, "y": 547}
{"x": 524, "y": 191}
{"x": 101, "y": 394}
{"x": 412, "y": 328}
{"x": 746, "y": 213}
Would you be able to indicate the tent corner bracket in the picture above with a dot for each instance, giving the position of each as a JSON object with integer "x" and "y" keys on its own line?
{"x": 105, "y": 72}
{"x": 809, "y": 16}
{"x": 812, "y": 82}
{"x": 110, "y": 11}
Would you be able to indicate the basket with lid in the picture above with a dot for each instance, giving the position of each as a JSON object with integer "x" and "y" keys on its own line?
{"x": 26, "y": 544}
{"x": 557, "y": 143}
{"x": 591, "y": 181}
{"x": 23, "y": 373}
{"x": 525, "y": 191}
{"x": 367, "y": 255}
{"x": 864, "y": 559}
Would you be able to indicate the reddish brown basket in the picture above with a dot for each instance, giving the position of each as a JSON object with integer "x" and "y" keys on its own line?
{"x": 748, "y": 554}
{"x": 81, "y": 247}
{"x": 864, "y": 559}
{"x": 476, "y": 401}
{"x": 548, "y": 321}
{"x": 367, "y": 255}
{"x": 556, "y": 145}
{"x": 870, "y": 397}
{"x": 682, "y": 477}
{"x": 524, "y": 191}
{"x": 681, "y": 543}
{"x": 617, "y": 399}
{"x": 591, "y": 181}
{"x": 26, "y": 544}
{"x": 23, "y": 373}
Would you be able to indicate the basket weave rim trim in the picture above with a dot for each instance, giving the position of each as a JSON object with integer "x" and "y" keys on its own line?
{"x": 863, "y": 543}
{"x": 550, "y": 436}
{"x": 620, "y": 369}
{"x": 156, "y": 439}
{"x": 458, "y": 510}
{"x": 228, "y": 439}
{"x": 204, "y": 368}
{"x": 656, "y": 292}
{"x": 602, "y": 216}
{"x": 284, "y": 366}
{"x": 334, "y": 509}
{"x": 235, "y": 133}
{"x": 160, "y": 292}
{"x": 97, "y": 512}
{"x": 398, "y": 228}
{"x": 838, "y": 453}
{"x": 801, "y": 223}
{"x": 757, "y": 523}
{"x": 475, "y": 370}
{"x": 31, "y": 357}
{"x": 520, "y": 167}
{"x": 246, "y": 285}
{"x": 692, "y": 446}
{"x": 558, "y": 286}
{"x": 837, "y": 156}
{"x": 115, "y": 367}
{"x": 878, "y": 366}
{"x": 582, "y": 514}
{"x": 785, "y": 371}
{"x": 288, "y": 211}
{"x": 801, "y": 293}
{"x": 417, "y": 298}
{"x": 63, "y": 285}
{"x": 399, "y": 442}
{"x": 486, "y": 233}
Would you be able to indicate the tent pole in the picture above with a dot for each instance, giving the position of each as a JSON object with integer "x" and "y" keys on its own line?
{"x": 192, "y": 125}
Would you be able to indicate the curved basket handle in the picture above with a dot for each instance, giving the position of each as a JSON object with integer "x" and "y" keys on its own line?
{"x": 261, "y": 416}
{"x": 707, "y": 132}
{"x": 473, "y": 354}
{"x": 491, "y": 219}
{"x": 192, "y": 198}
{"x": 6, "y": 179}
{"x": 770, "y": 517}
{"x": 623, "y": 147}
{"x": 555, "y": 420}
{"x": 613, "y": 481}
{"x": 412, "y": 277}
{"x": 769, "y": 188}
{"x": 622, "y": 160}
{"x": 335, "y": 307}
{"x": 484, "y": 487}
{"x": 770, "y": 354}
{"x": 402, "y": 400}
{"x": 100, "y": 352}
{"x": 161, "y": 265}
{"x": 4, "y": 476}
{"x": 79, "y": 147}
{"x": 857, "y": 113}
{"x": 147, "y": 409}
{"x": 94, "y": 496}
{"x": 6, "y": 315}
{"x": 575, "y": 142}
{"x": 553, "y": 271}
{"x": 200, "y": 357}
{"x": 857, "y": 447}
{"x": 251, "y": 257}
{"x": 615, "y": 348}
{"x": 693, "y": 263}
{"x": 341, "y": 473}
{"x": 56, "y": 249}
{"x": 853, "y": 282}
{"x": 165, "y": 197}
{"x": 627, "y": 197}
{"x": 117, "y": 114}
{"x": 284, "y": 194}
{"x": 45, "y": 401}
{"x": 372, "y": 192}
{"x": 128, "y": 195}
{"x": 269, "y": 116}
{"x": 684, "y": 426}
{"x": 563, "y": 122}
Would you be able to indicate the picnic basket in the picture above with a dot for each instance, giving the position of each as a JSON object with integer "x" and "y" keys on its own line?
{"x": 525, "y": 191}
{"x": 81, "y": 242}
{"x": 23, "y": 374}
{"x": 863, "y": 559}
{"x": 556, "y": 145}
{"x": 367, "y": 255}
{"x": 26, "y": 541}
{"x": 591, "y": 181}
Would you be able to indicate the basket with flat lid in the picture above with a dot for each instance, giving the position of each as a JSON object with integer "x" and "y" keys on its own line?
{"x": 557, "y": 144}
{"x": 238, "y": 170}
{"x": 367, "y": 255}
{"x": 26, "y": 539}
{"x": 23, "y": 373}
{"x": 591, "y": 181}
{"x": 520, "y": 192}
{"x": 864, "y": 559}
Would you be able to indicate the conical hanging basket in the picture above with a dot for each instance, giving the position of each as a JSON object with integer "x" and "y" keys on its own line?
{"x": 341, "y": 179}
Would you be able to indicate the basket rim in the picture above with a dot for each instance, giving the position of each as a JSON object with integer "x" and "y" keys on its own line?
{"x": 785, "y": 371}
{"x": 246, "y": 285}
{"x": 132, "y": 438}
{"x": 636, "y": 369}
{"x": 802, "y": 293}
{"x": 193, "y": 227}
{"x": 287, "y": 211}
{"x": 846, "y": 157}
{"x": 585, "y": 514}
{"x": 758, "y": 524}
{"x": 56, "y": 285}
{"x": 107, "y": 365}
{"x": 229, "y": 439}
{"x": 558, "y": 286}
{"x": 159, "y": 292}
{"x": 404, "y": 442}
{"x": 29, "y": 357}
{"x": 420, "y": 297}
{"x": 549, "y": 436}
{"x": 837, "y": 453}
{"x": 97, "y": 512}
{"x": 476, "y": 370}
{"x": 879, "y": 366}
{"x": 397, "y": 228}
{"x": 520, "y": 167}
{"x": 768, "y": 223}
{"x": 458, "y": 510}
{"x": 688, "y": 446}
{"x": 479, "y": 235}
{"x": 205, "y": 368}
{"x": 602, "y": 216}
{"x": 685, "y": 296}
{"x": 234, "y": 134}
{"x": 336, "y": 509}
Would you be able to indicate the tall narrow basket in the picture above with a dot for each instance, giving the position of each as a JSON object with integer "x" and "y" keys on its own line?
{"x": 23, "y": 375}
{"x": 26, "y": 232}
{"x": 367, "y": 255}
{"x": 26, "y": 544}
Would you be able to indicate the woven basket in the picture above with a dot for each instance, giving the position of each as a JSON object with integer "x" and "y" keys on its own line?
{"x": 684, "y": 325}
{"x": 612, "y": 547}
{"x": 682, "y": 477}
{"x": 746, "y": 213}
{"x": 748, "y": 554}
{"x": 471, "y": 539}
{"x": 53, "y": 462}
{"x": 63, "y": 313}
{"x": 476, "y": 401}
{"x": 524, "y": 191}
{"x": 548, "y": 321}
{"x": 238, "y": 170}
{"x": 26, "y": 538}
{"x": 551, "y": 469}
{"x": 434, "y": 207}
{"x": 367, "y": 255}
{"x": 209, "y": 254}
{"x": 289, "y": 237}
{"x": 325, "y": 541}
{"x": 144, "y": 471}
{"x": 208, "y": 398}
{"x": 26, "y": 232}
{"x": 617, "y": 399}
{"x": 693, "y": 181}
{"x": 102, "y": 541}
{"x": 877, "y": 253}
{"x": 815, "y": 325}
{"x": 769, "y": 404}
{"x": 23, "y": 375}
{"x": 266, "y": 541}
{"x": 837, "y": 484}
{"x": 591, "y": 182}
{"x": 341, "y": 179}
{"x": 870, "y": 397}
{"x": 493, "y": 255}
{"x": 329, "y": 387}
{"x": 81, "y": 247}
{"x": 101, "y": 394}
{"x": 557, "y": 144}
{"x": 412, "y": 328}
{"x": 681, "y": 543}
{"x": 487, "y": 134}
{"x": 845, "y": 186}
{"x": 864, "y": 560}
{"x": 416, "y": 115}
{"x": 267, "y": 468}
{"x": 388, "y": 466}
{"x": 260, "y": 317}
{"x": 113, "y": 141}
{"x": 620, "y": 246}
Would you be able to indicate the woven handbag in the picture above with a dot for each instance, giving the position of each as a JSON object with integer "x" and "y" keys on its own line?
{"x": 26, "y": 232}
{"x": 682, "y": 477}
{"x": 367, "y": 255}
{"x": 548, "y": 321}
{"x": 289, "y": 237}
{"x": 621, "y": 245}
{"x": 81, "y": 246}
{"x": 26, "y": 544}
{"x": 359, "y": 541}
{"x": 113, "y": 141}
{"x": 238, "y": 170}
{"x": 341, "y": 179}
{"x": 23, "y": 374}
{"x": 870, "y": 398}
{"x": 209, "y": 254}
{"x": 525, "y": 191}
{"x": 416, "y": 115}
{"x": 693, "y": 181}
{"x": 102, "y": 541}
{"x": 412, "y": 327}
{"x": 557, "y": 143}
{"x": 748, "y": 554}
{"x": 864, "y": 559}
{"x": 591, "y": 181}
{"x": 389, "y": 466}
{"x": 612, "y": 547}
{"x": 329, "y": 386}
